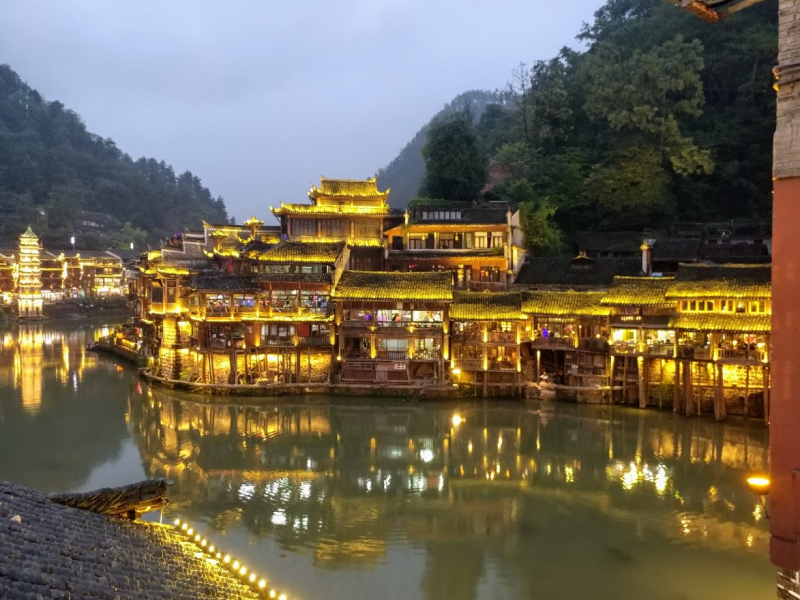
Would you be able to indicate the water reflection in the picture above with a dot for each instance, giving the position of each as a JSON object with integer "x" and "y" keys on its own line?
{"x": 61, "y": 409}
{"x": 369, "y": 499}
{"x": 471, "y": 486}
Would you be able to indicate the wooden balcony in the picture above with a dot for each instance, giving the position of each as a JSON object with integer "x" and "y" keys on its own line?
{"x": 640, "y": 349}
{"x": 467, "y": 364}
{"x": 553, "y": 343}
{"x": 742, "y": 355}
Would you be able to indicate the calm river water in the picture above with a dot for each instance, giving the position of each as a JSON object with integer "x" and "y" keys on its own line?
{"x": 361, "y": 498}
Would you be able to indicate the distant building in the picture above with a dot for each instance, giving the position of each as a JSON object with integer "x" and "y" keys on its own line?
{"x": 29, "y": 276}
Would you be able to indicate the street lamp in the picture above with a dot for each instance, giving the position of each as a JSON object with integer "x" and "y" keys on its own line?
{"x": 72, "y": 241}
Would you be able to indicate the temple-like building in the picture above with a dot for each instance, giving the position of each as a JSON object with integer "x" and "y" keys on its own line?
{"x": 29, "y": 277}
{"x": 341, "y": 210}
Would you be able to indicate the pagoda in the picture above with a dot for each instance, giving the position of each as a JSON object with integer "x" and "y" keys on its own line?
{"x": 29, "y": 277}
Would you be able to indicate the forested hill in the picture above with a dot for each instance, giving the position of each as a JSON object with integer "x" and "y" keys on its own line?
{"x": 659, "y": 118}
{"x": 404, "y": 173}
{"x": 61, "y": 179}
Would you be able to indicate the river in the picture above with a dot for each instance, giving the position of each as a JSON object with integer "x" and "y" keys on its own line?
{"x": 351, "y": 498}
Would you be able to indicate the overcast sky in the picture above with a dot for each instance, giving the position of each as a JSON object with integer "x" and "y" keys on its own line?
{"x": 260, "y": 97}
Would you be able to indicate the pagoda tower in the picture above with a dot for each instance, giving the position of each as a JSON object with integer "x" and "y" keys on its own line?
{"x": 29, "y": 277}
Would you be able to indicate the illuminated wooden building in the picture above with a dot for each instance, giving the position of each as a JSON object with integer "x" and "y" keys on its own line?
{"x": 569, "y": 341}
{"x": 722, "y": 334}
{"x": 488, "y": 333}
{"x": 393, "y": 327}
{"x": 7, "y": 275}
{"x": 640, "y": 330}
{"x": 481, "y": 244}
{"x": 341, "y": 210}
{"x": 29, "y": 277}
{"x": 698, "y": 341}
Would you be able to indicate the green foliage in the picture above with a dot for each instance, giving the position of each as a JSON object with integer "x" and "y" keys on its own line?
{"x": 404, "y": 174}
{"x": 52, "y": 170}
{"x": 455, "y": 168}
{"x": 661, "y": 118}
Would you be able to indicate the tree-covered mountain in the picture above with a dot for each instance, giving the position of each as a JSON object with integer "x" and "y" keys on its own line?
{"x": 63, "y": 180}
{"x": 404, "y": 174}
{"x": 660, "y": 118}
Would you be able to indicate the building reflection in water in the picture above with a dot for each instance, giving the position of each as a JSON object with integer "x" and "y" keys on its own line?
{"x": 343, "y": 483}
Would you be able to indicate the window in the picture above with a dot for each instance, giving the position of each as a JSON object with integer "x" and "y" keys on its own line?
{"x": 393, "y": 345}
{"x": 304, "y": 226}
{"x": 698, "y": 305}
{"x": 416, "y": 243}
{"x": 481, "y": 240}
{"x": 447, "y": 241}
{"x": 497, "y": 240}
{"x": 490, "y": 274}
{"x": 397, "y": 242}
{"x": 758, "y": 307}
{"x": 172, "y": 292}
{"x": 331, "y": 227}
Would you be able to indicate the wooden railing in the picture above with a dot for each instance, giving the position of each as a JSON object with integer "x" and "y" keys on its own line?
{"x": 468, "y": 364}
{"x": 741, "y": 354}
{"x": 553, "y": 342}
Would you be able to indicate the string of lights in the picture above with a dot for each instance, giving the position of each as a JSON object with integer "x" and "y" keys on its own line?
{"x": 258, "y": 584}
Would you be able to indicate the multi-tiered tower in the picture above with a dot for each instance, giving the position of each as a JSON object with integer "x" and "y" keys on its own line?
{"x": 29, "y": 277}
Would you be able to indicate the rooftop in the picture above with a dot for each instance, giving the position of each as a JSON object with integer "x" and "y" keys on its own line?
{"x": 626, "y": 242}
{"x": 564, "y": 304}
{"x": 718, "y": 322}
{"x": 303, "y": 252}
{"x": 48, "y": 550}
{"x": 487, "y": 306}
{"x": 580, "y": 272}
{"x": 212, "y": 280}
{"x": 347, "y": 188}
{"x": 721, "y": 281}
{"x": 637, "y": 291}
{"x": 367, "y": 285}
{"x": 329, "y": 210}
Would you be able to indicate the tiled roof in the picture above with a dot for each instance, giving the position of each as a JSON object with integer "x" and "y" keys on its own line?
{"x": 52, "y": 551}
{"x": 720, "y": 322}
{"x": 303, "y": 252}
{"x": 721, "y": 281}
{"x": 564, "y": 304}
{"x": 329, "y": 210}
{"x": 579, "y": 272}
{"x": 301, "y": 277}
{"x": 637, "y": 291}
{"x": 366, "y": 285}
{"x": 29, "y": 234}
{"x": 170, "y": 271}
{"x": 610, "y": 241}
{"x": 212, "y": 280}
{"x": 487, "y": 306}
{"x": 437, "y": 254}
{"x": 676, "y": 249}
{"x": 364, "y": 188}
{"x": 256, "y": 246}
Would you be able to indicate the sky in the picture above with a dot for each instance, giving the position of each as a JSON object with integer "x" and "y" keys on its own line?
{"x": 259, "y": 98}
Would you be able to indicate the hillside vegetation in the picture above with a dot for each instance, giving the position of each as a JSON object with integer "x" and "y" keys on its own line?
{"x": 55, "y": 175}
{"x": 660, "y": 118}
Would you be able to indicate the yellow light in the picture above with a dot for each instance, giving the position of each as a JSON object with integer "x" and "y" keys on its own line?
{"x": 262, "y": 584}
{"x": 272, "y": 593}
{"x": 456, "y": 371}
{"x": 252, "y": 577}
{"x": 457, "y": 420}
{"x": 177, "y": 522}
{"x": 282, "y": 597}
{"x": 211, "y": 549}
{"x": 197, "y": 538}
{"x": 203, "y": 543}
{"x": 243, "y": 571}
{"x": 227, "y": 558}
{"x": 189, "y": 531}
{"x": 236, "y": 565}
{"x": 758, "y": 485}
{"x": 184, "y": 526}
{"x": 219, "y": 555}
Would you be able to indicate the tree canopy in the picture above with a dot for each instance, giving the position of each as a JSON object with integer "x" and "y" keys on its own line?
{"x": 56, "y": 175}
{"x": 660, "y": 118}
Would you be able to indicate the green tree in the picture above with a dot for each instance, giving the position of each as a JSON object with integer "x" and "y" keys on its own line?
{"x": 455, "y": 168}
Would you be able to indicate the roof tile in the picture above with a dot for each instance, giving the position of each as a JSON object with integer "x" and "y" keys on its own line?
{"x": 368, "y": 285}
